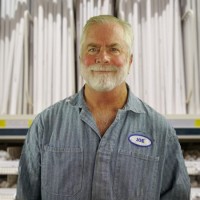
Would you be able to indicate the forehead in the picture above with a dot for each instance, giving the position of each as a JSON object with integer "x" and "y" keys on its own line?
{"x": 105, "y": 34}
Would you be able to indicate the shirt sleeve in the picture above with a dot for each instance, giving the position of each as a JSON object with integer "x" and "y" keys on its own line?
{"x": 29, "y": 181}
{"x": 175, "y": 179}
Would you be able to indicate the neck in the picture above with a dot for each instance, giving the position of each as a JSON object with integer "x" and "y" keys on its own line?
{"x": 114, "y": 99}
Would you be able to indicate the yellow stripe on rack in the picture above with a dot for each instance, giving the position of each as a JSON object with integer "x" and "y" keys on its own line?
{"x": 2, "y": 123}
{"x": 197, "y": 123}
{"x": 30, "y": 122}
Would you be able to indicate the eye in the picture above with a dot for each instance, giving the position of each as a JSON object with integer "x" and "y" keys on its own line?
{"x": 115, "y": 50}
{"x": 92, "y": 50}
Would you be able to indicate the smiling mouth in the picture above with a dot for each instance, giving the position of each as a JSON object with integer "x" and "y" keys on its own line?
{"x": 103, "y": 72}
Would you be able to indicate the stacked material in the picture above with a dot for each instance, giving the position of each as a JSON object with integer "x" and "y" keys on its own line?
{"x": 166, "y": 64}
{"x": 192, "y": 161}
{"x": 39, "y": 51}
{"x": 12, "y": 66}
{"x": 191, "y": 45}
{"x": 37, "y": 59}
{"x": 7, "y": 193}
{"x": 8, "y": 170}
{"x": 53, "y": 51}
{"x": 195, "y": 194}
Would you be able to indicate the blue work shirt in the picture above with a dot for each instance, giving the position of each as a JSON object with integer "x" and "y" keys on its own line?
{"x": 65, "y": 158}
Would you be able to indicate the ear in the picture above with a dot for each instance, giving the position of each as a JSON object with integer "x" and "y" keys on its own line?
{"x": 79, "y": 58}
{"x": 130, "y": 59}
{"x": 130, "y": 62}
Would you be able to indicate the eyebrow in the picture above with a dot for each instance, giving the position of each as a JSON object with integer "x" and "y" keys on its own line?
{"x": 97, "y": 45}
{"x": 93, "y": 45}
{"x": 114, "y": 44}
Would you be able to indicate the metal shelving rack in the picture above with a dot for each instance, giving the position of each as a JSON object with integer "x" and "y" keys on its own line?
{"x": 188, "y": 131}
{"x": 14, "y": 127}
{"x": 8, "y": 168}
{"x": 187, "y": 127}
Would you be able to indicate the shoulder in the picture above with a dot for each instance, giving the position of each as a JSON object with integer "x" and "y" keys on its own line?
{"x": 159, "y": 128}
{"x": 56, "y": 112}
{"x": 151, "y": 119}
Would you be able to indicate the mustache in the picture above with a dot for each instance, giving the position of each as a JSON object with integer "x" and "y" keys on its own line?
{"x": 107, "y": 68}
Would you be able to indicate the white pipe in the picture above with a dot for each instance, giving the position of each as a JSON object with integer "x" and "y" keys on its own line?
{"x": 17, "y": 70}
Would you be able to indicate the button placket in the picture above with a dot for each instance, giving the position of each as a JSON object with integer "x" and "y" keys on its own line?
{"x": 103, "y": 175}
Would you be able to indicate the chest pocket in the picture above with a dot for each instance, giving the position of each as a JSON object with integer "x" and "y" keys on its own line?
{"x": 135, "y": 176}
{"x": 62, "y": 170}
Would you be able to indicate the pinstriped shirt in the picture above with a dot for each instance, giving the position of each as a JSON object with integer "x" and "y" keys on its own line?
{"x": 65, "y": 158}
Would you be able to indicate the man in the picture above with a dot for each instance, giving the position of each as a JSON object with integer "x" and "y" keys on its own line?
{"x": 103, "y": 143}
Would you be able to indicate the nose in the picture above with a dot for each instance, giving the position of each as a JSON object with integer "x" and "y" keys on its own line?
{"x": 102, "y": 57}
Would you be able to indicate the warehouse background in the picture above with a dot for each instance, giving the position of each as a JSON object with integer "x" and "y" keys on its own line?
{"x": 39, "y": 48}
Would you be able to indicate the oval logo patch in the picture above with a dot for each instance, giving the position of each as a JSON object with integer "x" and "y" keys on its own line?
{"x": 140, "y": 140}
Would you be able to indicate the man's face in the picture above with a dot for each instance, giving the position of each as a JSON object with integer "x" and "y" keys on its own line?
{"x": 104, "y": 59}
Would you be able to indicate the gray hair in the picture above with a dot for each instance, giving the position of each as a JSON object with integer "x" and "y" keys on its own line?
{"x": 107, "y": 19}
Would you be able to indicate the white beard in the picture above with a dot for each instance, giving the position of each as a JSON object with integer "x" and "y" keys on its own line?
{"x": 105, "y": 81}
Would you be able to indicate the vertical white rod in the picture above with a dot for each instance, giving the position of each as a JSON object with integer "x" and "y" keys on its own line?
{"x": 17, "y": 70}
{"x": 40, "y": 66}
{"x": 71, "y": 70}
{"x": 65, "y": 50}
{"x": 2, "y": 57}
{"x": 50, "y": 53}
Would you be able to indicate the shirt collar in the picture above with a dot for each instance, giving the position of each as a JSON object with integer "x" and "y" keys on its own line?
{"x": 78, "y": 99}
{"x": 133, "y": 103}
